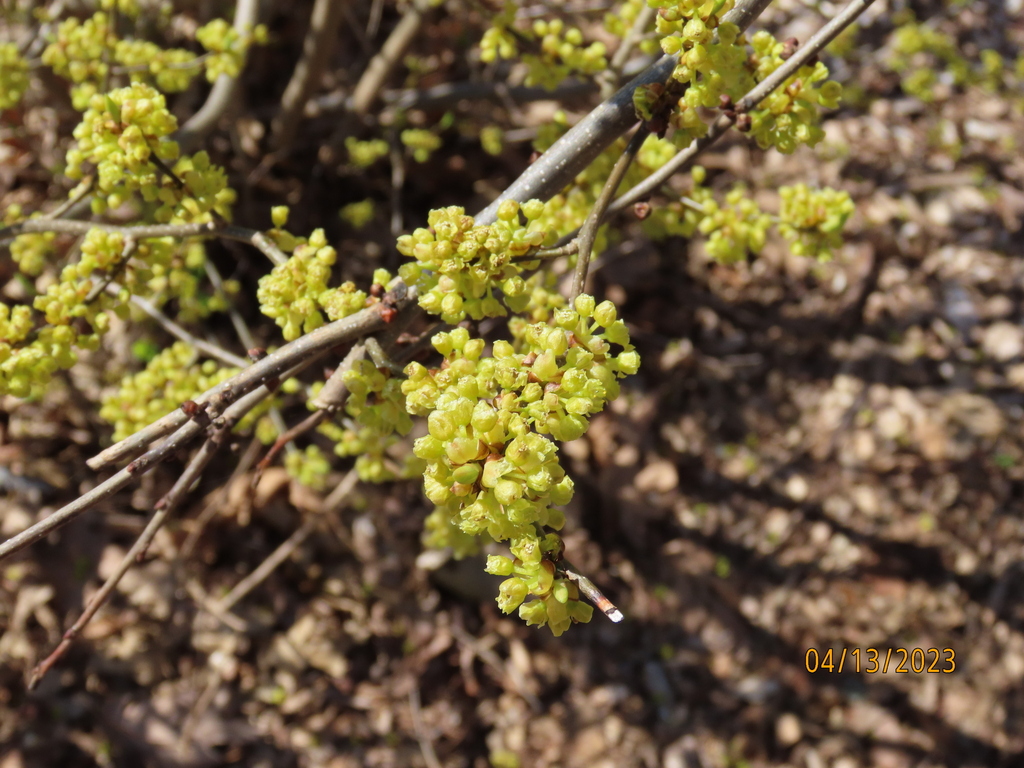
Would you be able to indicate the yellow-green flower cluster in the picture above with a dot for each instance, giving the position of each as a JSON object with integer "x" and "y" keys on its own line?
{"x": 359, "y": 213}
{"x": 79, "y": 54}
{"x": 492, "y": 140}
{"x": 734, "y": 228}
{"x": 290, "y": 293}
{"x": 310, "y": 467}
{"x": 29, "y": 251}
{"x": 129, "y": 8}
{"x": 553, "y": 51}
{"x": 120, "y": 134}
{"x": 920, "y": 53}
{"x": 227, "y": 47}
{"x": 421, "y": 142}
{"x": 363, "y": 154}
{"x": 812, "y": 220}
{"x": 458, "y": 264}
{"x": 622, "y": 20}
{"x": 789, "y": 116}
{"x": 557, "y": 601}
{"x": 707, "y": 67}
{"x": 713, "y": 68}
{"x": 172, "y": 69}
{"x": 168, "y": 380}
{"x": 125, "y": 134}
{"x": 16, "y": 375}
{"x": 13, "y": 75}
{"x": 28, "y": 361}
{"x": 376, "y": 405}
{"x": 83, "y": 51}
{"x": 490, "y": 467}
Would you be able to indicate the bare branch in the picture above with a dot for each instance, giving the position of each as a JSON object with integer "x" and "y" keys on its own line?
{"x": 588, "y": 232}
{"x": 208, "y": 349}
{"x": 118, "y": 481}
{"x": 611, "y": 77}
{"x": 369, "y": 86}
{"x": 164, "y": 507}
{"x": 305, "y": 348}
{"x": 195, "y": 129}
{"x": 316, "y": 52}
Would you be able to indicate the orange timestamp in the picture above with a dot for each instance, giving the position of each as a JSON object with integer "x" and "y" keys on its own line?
{"x": 872, "y": 660}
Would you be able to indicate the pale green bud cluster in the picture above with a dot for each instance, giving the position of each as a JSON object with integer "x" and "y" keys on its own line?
{"x": 290, "y": 294}
{"x": 228, "y": 47}
{"x": 79, "y": 54}
{"x": 555, "y": 51}
{"x": 168, "y": 380}
{"x": 458, "y": 264}
{"x": 120, "y": 133}
{"x": 812, "y": 220}
{"x": 363, "y": 154}
{"x": 13, "y": 75}
{"x": 789, "y": 116}
{"x": 621, "y": 22}
{"x": 920, "y": 53}
{"x": 359, "y": 213}
{"x": 377, "y": 408}
{"x": 421, "y": 142}
{"x": 310, "y": 467}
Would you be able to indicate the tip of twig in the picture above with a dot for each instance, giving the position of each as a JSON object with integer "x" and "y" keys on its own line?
{"x": 615, "y": 615}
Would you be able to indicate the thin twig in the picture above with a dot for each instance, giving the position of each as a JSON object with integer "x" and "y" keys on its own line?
{"x": 426, "y": 746}
{"x": 187, "y": 432}
{"x": 268, "y": 566}
{"x": 305, "y": 349}
{"x": 195, "y": 129}
{"x": 216, "y": 504}
{"x": 610, "y": 78}
{"x": 588, "y": 233}
{"x": 590, "y": 591}
{"x": 755, "y": 96}
{"x": 84, "y": 189}
{"x": 208, "y": 349}
{"x": 369, "y": 86}
{"x": 316, "y": 51}
{"x": 397, "y": 158}
{"x": 130, "y": 244}
{"x": 284, "y": 439}
{"x": 164, "y": 507}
